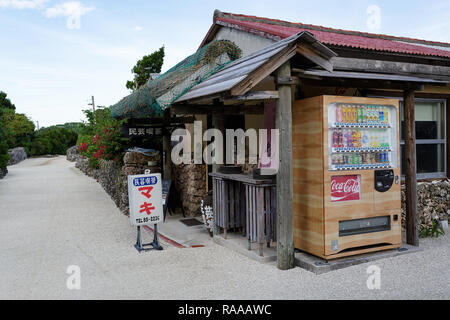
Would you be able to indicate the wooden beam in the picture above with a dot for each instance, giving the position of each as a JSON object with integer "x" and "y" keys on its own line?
{"x": 265, "y": 70}
{"x": 412, "y": 232}
{"x": 285, "y": 209}
{"x": 287, "y": 80}
{"x": 380, "y": 66}
{"x": 256, "y": 95}
{"x": 211, "y": 109}
{"x": 424, "y": 95}
{"x": 315, "y": 57}
{"x": 360, "y": 83}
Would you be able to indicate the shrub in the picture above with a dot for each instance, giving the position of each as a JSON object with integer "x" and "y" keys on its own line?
{"x": 101, "y": 138}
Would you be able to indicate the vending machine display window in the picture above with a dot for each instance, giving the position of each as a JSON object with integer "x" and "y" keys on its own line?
{"x": 362, "y": 136}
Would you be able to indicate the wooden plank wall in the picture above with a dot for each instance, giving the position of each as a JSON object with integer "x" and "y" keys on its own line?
{"x": 307, "y": 155}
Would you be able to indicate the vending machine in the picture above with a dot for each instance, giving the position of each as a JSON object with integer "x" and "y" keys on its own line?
{"x": 347, "y": 183}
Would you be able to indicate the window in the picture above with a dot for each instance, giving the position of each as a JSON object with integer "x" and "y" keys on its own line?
{"x": 430, "y": 138}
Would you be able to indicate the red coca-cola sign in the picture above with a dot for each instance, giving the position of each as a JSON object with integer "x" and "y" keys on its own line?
{"x": 345, "y": 188}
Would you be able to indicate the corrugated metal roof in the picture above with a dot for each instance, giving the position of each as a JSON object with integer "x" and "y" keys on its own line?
{"x": 238, "y": 70}
{"x": 277, "y": 29}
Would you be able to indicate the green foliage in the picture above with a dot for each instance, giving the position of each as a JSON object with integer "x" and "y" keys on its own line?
{"x": 18, "y": 129}
{"x": 151, "y": 63}
{"x": 52, "y": 140}
{"x": 5, "y": 103}
{"x": 434, "y": 231}
{"x": 4, "y": 157}
{"x": 77, "y": 127}
{"x": 101, "y": 138}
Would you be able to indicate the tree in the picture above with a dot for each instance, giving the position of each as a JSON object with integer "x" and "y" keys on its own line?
{"x": 5, "y": 103}
{"x": 17, "y": 128}
{"x": 151, "y": 63}
{"x": 4, "y": 157}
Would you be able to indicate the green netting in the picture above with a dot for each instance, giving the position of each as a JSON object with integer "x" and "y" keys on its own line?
{"x": 156, "y": 95}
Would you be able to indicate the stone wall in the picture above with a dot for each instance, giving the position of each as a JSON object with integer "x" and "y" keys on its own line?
{"x": 16, "y": 155}
{"x": 433, "y": 200}
{"x": 72, "y": 154}
{"x": 190, "y": 184}
{"x": 113, "y": 176}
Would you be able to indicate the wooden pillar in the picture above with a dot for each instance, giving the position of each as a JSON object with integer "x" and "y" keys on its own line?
{"x": 285, "y": 211}
{"x": 218, "y": 123}
{"x": 167, "y": 165}
{"x": 412, "y": 232}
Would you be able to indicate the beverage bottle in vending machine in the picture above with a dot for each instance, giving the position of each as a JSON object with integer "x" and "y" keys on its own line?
{"x": 365, "y": 140}
{"x": 335, "y": 138}
{"x": 340, "y": 139}
{"x": 349, "y": 139}
{"x": 354, "y": 115}
{"x": 381, "y": 115}
{"x": 338, "y": 114}
{"x": 360, "y": 115}
{"x": 386, "y": 115}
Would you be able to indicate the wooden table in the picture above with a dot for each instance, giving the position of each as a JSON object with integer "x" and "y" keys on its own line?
{"x": 240, "y": 201}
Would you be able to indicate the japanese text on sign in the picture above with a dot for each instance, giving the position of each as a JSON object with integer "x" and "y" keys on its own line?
{"x": 145, "y": 198}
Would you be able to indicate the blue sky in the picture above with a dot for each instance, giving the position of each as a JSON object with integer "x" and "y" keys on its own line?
{"x": 51, "y": 63}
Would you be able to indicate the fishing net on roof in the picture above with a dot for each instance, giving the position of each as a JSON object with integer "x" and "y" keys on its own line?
{"x": 158, "y": 94}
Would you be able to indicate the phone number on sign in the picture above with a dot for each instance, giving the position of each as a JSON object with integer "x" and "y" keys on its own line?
{"x": 147, "y": 219}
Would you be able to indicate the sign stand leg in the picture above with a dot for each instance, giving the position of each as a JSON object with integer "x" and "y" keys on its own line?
{"x": 154, "y": 245}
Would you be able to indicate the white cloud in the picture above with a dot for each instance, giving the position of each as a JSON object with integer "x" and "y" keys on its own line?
{"x": 73, "y": 10}
{"x": 22, "y": 4}
{"x": 138, "y": 28}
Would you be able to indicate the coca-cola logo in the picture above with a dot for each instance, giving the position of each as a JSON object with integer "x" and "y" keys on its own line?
{"x": 345, "y": 188}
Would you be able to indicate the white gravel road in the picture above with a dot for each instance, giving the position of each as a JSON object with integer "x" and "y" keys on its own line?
{"x": 52, "y": 216}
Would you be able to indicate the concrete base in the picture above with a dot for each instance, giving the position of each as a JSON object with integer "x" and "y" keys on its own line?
{"x": 318, "y": 265}
{"x": 237, "y": 242}
{"x": 177, "y": 231}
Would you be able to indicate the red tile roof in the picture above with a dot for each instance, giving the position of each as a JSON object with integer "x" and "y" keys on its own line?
{"x": 277, "y": 29}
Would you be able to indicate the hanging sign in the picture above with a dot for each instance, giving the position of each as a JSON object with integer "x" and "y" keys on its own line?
{"x": 143, "y": 132}
{"x": 345, "y": 188}
{"x": 145, "y": 199}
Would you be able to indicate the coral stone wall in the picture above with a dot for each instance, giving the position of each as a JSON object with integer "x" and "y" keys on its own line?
{"x": 113, "y": 176}
{"x": 190, "y": 183}
{"x": 16, "y": 155}
{"x": 433, "y": 200}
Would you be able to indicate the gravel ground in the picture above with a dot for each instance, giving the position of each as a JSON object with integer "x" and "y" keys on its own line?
{"x": 52, "y": 216}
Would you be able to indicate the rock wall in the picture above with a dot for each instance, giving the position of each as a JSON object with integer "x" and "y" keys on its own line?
{"x": 433, "y": 200}
{"x": 113, "y": 176}
{"x": 190, "y": 183}
{"x": 16, "y": 155}
{"x": 72, "y": 154}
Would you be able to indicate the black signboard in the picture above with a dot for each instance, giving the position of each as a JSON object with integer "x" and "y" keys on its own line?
{"x": 142, "y": 132}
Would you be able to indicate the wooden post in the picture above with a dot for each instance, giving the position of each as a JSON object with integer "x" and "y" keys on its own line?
{"x": 167, "y": 165}
{"x": 218, "y": 123}
{"x": 412, "y": 232}
{"x": 285, "y": 211}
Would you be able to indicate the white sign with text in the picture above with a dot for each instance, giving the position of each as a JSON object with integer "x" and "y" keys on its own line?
{"x": 145, "y": 198}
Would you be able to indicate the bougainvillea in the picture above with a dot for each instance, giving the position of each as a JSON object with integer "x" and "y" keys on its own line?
{"x": 103, "y": 139}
